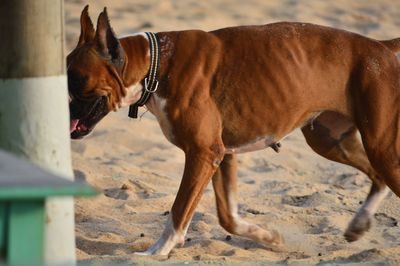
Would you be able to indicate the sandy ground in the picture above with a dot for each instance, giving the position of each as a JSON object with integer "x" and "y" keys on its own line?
{"x": 307, "y": 198}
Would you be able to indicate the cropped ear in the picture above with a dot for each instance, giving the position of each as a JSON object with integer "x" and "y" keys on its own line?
{"x": 87, "y": 29}
{"x": 107, "y": 43}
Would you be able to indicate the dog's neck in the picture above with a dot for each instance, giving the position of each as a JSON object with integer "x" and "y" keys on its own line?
{"x": 137, "y": 56}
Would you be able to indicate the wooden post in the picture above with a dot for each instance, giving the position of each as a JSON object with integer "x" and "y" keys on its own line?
{"x": 34, "y": 116}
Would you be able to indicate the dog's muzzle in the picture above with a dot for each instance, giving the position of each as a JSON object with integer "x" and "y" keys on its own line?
{"x": 82, "y": 125}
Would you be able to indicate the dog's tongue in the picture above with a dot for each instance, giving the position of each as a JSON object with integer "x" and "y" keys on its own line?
{"x": 74, "y": 123}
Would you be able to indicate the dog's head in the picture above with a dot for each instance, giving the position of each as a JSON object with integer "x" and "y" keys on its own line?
{"x": 94, "y": 70}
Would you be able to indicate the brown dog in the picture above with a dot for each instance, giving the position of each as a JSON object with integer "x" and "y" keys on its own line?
{"x": 244, "y": 88}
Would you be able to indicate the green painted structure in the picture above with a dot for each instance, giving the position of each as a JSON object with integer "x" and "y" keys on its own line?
{"x": 23, "y": 192}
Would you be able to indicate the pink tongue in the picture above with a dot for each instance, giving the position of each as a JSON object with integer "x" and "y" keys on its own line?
{"x": 74, "y": 123}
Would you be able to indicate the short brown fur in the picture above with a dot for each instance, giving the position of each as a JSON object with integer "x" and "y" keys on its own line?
{"x": 229, "y": 87}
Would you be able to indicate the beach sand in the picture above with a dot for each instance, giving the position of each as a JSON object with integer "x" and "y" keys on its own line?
{"x": 308, "y": 199}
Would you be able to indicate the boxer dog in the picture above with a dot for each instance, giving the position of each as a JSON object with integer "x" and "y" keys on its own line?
{"x": 239, "y": 89}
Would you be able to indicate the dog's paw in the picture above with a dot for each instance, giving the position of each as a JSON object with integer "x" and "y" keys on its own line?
{"x": 154, "y": 256}
{"x": 273, "y": 240}
{"x": 358, "y": 226}
{"x": 142, "y": 253}
{"x": 277, "y": 238}
{"x": 153, "y": 251}
{"x": 278, "y": 242}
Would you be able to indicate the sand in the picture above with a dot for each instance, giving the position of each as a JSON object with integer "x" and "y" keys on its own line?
{"x": 307, "y": 198}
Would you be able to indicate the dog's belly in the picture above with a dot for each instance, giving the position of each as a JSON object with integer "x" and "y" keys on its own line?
{"x": 269, "y": 140}
{"x": 258, "y": 144}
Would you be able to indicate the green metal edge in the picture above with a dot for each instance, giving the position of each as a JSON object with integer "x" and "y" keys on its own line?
{"x": 8, "y": 194}
{"x": 3, "y": 229}
{"x": 25, "y": 244}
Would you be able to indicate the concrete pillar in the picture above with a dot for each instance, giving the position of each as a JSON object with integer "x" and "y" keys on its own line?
{"x": 34, "y": 116}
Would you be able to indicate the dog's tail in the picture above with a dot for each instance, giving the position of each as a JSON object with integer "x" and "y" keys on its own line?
{"x": 393, "y": 45}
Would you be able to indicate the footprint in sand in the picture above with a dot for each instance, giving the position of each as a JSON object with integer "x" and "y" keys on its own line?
{"x": 134, "y": 188}
{"x": 276, "y": 186}
{"x": 79, "y": 175}
{"x": 144, "y": 190}
{"x": 297, "y": 201}
{"x": 385, "y": 220}
{"x": 96, "y": 247}
{"x": 78, "y": 147}
{"x": 312, "y": 200}
{"x": 323, "y": 226}
{"x": 116, "y": 193}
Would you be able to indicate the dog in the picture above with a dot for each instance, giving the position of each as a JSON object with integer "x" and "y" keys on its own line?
{"x": 216, "y": 94}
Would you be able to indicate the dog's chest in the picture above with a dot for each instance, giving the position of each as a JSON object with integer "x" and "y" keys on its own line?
{"x": 156, "y": 106}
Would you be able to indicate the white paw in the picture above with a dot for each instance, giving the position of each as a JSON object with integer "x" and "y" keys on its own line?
{"x": 168, "y": 240}
{"x": 142, "y": 253}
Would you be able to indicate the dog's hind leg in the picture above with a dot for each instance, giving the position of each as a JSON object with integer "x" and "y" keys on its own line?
{"x": 377, "y": 115}
{"x": 335, "y": 138}
{"x": 225, "y": 187}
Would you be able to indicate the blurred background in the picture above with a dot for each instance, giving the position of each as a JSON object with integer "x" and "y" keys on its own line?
{"x": 378, "y": 19}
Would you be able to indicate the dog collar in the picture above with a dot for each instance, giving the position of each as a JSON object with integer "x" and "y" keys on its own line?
{"x": 150, "y": 82}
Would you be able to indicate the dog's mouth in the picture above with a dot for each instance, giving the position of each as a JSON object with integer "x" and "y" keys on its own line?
{"x": 84, "y": 125}
{"x": 78, "y": 125}
{"x": 74, "y": 125}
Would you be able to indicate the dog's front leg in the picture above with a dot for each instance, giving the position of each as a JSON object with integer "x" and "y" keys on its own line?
{"x": 200, "y": 166}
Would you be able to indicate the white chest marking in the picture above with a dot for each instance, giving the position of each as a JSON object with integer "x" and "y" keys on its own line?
{"x": 156, "y": 106}
{"x": 133, "y": 93}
